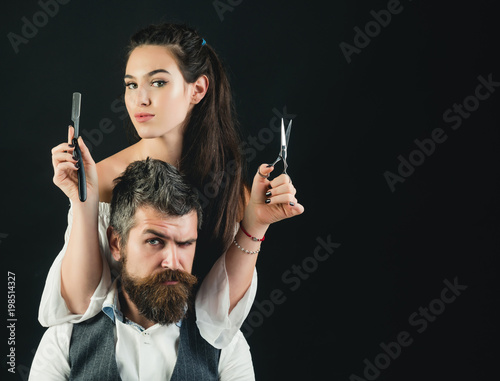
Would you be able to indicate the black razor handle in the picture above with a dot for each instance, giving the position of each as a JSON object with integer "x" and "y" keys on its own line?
{"x": 82, "y": 180}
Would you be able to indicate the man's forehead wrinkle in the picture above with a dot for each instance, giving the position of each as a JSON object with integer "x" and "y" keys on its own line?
{"x": 156, "y": 232}
{"x": 160, "y": 227}
{"x": 148, "y": 220}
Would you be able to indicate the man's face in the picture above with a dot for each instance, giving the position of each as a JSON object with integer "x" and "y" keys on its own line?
{"x": 157, "y": 261}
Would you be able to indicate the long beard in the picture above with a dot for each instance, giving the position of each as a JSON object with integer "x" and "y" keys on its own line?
{"x": 156, "y": 301}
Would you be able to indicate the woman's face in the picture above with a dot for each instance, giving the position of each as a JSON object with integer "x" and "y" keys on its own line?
{"x": 157, "y": 97}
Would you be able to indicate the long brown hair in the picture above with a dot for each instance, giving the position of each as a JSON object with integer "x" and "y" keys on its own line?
{"x": 211, "y": 157}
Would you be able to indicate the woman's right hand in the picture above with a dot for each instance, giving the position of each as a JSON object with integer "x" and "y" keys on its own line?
{"x": 65, "y": 170}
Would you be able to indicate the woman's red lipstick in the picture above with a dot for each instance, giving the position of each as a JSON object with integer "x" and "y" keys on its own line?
{"x": 143, "y": 117}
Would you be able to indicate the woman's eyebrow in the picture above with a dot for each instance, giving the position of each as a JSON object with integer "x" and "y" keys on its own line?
{"x": 150, "y": 74}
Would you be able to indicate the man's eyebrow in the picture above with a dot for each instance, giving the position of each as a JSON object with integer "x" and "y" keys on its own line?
{"x": 150, "y": 74}
{"x": 154, "y": 232}
{"x": 161, "y": 235}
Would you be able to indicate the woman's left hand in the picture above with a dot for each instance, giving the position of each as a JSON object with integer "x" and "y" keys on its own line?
{"x": 270, "y": 200}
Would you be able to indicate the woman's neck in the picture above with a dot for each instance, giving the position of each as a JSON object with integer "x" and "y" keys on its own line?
{"x": 167, "y": 148}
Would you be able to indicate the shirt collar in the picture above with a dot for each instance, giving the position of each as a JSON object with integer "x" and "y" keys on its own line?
{"x": 111, "y": 305}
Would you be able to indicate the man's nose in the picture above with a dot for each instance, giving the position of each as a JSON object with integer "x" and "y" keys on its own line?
{"x": 171, "y": 258}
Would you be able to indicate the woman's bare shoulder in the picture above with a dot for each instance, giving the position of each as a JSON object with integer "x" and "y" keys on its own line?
{"x": 109, "y": 169}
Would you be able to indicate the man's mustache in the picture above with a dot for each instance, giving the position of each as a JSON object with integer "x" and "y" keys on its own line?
{"x": 168, "y": 275}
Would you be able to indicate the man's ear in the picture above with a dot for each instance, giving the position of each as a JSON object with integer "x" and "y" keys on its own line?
{"x": 114, "y": 243}
{"x": 200, "y": 88}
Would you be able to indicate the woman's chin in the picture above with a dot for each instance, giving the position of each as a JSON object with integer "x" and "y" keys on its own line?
{"x": 151, "y": 132}
{"x": 148, "y": 136}
{"x": 147, "y": 133}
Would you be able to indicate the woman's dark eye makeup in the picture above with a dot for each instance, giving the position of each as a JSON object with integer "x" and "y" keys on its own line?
{"x": 154, "y": 83}
{"x": 159, "y": 83}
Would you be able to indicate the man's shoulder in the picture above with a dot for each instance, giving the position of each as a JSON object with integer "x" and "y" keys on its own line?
{"x": 58, "y": 329}
{"x": 59, "y": 334}
{"x": 51, "y": 357}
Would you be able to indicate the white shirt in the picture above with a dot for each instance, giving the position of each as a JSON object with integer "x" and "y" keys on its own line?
{"x": 148, "y": 355}
{"x": 216, "y": 325}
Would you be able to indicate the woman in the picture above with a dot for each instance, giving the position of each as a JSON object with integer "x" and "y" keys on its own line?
{"x": 178, "y": 98}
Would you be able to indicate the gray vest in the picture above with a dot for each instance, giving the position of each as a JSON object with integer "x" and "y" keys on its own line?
{"x": 92, "y": 352}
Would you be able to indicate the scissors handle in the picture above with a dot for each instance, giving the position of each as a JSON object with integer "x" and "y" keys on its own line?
{"x": 275, "y": 162}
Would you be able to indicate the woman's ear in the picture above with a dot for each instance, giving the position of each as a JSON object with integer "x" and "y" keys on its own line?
{"x": 200, "y": 88}
{"x": 114, "y": 243}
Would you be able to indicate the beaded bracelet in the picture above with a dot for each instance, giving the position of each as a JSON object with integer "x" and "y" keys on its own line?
{"x": 245, "y": 250}
{"x": 248, "y": 235}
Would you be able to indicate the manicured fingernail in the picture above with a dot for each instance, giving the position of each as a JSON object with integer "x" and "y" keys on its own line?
{"x": 292, "y": 203}
{"x": 268, "y": 200}
{"x": 269, "y": 166}
{"x": 71, "y": 145}
{"x": 268, "y": 193}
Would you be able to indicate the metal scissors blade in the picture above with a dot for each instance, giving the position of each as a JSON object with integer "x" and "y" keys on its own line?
{"x": 75, "y": 113}
{"x": 288, "y": 129}
{"x": 285, "y": 137}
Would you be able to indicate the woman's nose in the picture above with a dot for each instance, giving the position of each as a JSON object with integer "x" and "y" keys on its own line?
{"x": 143, "y": 98}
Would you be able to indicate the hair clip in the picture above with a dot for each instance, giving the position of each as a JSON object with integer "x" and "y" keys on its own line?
{"x": 203, "y": 43}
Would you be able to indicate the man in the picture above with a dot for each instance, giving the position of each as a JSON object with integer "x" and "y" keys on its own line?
{"x": 147, "y": 329}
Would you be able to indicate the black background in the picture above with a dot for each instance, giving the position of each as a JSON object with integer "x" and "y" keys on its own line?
{"x": 352, "y": 122}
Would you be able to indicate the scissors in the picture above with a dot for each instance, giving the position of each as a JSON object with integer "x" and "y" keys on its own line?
{"x": 75, "y": 117}
{"x": 285, "y": 136}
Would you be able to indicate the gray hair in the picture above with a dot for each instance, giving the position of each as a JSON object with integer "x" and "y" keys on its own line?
{"x": 151, "y": 183}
